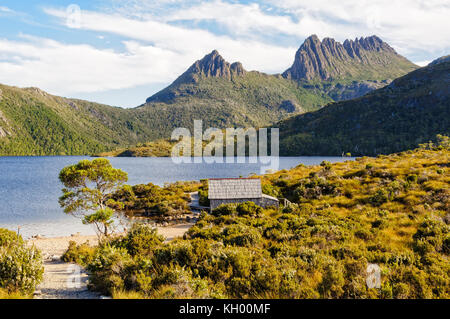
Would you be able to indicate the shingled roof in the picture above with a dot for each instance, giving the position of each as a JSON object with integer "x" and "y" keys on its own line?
{"x": 234, "y": 188}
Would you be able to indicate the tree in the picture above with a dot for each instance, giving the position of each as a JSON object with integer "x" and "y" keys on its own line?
{"x": 87, "y": 193}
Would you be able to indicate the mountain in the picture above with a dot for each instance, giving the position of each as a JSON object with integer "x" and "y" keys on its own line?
{"x": 212, "y": 65}
{"x": 224, "y": 94}
{"x": 413, "y": 109}
{"x": 348, "y": 70}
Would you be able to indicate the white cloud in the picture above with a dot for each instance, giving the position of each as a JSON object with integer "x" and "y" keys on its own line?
{"x": 189, "y": 43}
{"x": 408, "y": 25}
{"x": 5, "y": 9}
{"x": 423, "y": 63}
{"x": 65, "y": 69}
{"x": 154, "y": 52}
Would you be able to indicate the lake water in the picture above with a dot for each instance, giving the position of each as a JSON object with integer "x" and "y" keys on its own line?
{"x": 29, "y": 186}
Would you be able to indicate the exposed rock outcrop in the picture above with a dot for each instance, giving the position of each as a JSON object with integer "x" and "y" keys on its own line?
{"x": 4, "y": 132}
{"x": 366, "y": 58}
{"x": 214, "y": 65}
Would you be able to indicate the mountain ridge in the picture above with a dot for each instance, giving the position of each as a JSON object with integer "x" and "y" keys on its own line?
{"x": 330, "y": 60}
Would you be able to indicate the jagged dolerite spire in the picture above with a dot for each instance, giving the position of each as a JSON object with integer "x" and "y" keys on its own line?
{"x": 365, "y": 58}
{"x": 212, "y": 65}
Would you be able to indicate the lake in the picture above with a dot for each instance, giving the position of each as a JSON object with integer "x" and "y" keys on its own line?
{"x": 29, "y": 186}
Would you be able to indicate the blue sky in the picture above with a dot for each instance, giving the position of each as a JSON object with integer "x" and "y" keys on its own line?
{"x": 121, "y": 52}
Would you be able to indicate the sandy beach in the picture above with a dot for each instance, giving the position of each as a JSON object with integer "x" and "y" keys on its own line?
{"x": 58, "y": 245}
{"x": 58, "y": 275}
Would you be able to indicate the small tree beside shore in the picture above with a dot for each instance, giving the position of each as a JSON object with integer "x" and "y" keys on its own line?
{"x": 87, "y": 193}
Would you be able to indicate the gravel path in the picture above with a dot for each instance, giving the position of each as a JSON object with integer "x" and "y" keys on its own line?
{"x": 69, "y": 281}
{"x": 62, "y": 280}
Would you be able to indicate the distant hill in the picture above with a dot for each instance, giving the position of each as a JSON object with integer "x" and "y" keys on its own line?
{"x": 33, "y": 122}
{"x": 411, "y": 110}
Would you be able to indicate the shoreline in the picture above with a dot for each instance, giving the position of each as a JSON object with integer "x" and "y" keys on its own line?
{"x": 56, "y": 246}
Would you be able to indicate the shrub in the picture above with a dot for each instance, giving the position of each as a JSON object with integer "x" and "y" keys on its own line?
{"x": 8, "y": 237}
{"x": 379, "y": 198}
{"x": 248, "y": 209}
{"x": 109, "y": 268}
{"x": 203, "y": 197}
{"x": 21, "y": 267}
{"x": 141, "y": 239}
{"x": 224, "y": 210}
{"x": 432, "y": 234}
{"x": 412, "y": 178}
{"x": 80, "y": 254}
{"x": 241, "y": 236}
{"x": 326, "y": 165}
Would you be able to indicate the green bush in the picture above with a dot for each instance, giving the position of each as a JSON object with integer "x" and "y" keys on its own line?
{"x": 21, "y": 267}
{"x": 141, "y": 239}
{"x": 224, "y": 210}
{"x": 379, "y": 198}
{"x": 248, "y": 209}
{"x": 109, "y": 269}
{"x": 8, "y": 237}
{"x": 240, "y": 235}
{"x": 431, "y": 235}
{"x": 80, "y": 254}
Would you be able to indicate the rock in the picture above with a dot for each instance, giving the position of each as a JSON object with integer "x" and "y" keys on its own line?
{"x": 3, "y": 130}
{"x": 105, "y": 297}
{"x": 3, "y": 133}
{"x": 55, "y": 258}
{"x": 37, "y": 91}
{"x": 37, "y": 293}
{"x": 38, "y": 236}
{"x": 329, "y": 59}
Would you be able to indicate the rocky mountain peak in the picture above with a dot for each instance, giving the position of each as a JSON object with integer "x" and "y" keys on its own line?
{"x": 214, "y": 65}
{"x": 329, "y": 59}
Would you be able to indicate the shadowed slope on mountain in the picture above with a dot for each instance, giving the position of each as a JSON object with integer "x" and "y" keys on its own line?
{"x": 411, "y": 110}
